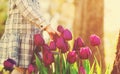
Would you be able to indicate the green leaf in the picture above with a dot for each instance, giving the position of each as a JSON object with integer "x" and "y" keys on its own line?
{"x": 67, "y": 68}
{"x": 63, "y": 64}
{"x": 38, "y": 63}
{"x": 98, "y": 68}
{"x": 107, "y": 70}
{"x": 86, "y": 64}
{"x": 92, "y": 68}
{"x": 73, "y": 69}
{"x": 57, "y": 64}
{"x": 42, "y": 69}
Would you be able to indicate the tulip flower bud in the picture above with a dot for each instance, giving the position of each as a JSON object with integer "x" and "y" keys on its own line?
{"x": 78, "y": 43}
{"x": 84, "y": 52}
{"x": 60, "y": 43}
{"x": 65, "y": 47}
{"x": 60, "y": 29}
{"x": 82, "y": 70}
{"x": 48, "y": 57}
{"x": 9, "y": 64}
{"x": 38, "y": 40}
{"x": 95, "y": 40}
{"x": 52, "y": 46}
{"x": 67, "y": 35}
{"x": 71, "y": 57}
{"x": 31, "y": 68}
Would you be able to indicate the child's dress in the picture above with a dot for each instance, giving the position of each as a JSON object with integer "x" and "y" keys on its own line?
{"x": 22, "y": 23}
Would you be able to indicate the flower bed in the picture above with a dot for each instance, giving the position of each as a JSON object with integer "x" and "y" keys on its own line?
{"x": 57, "y": 58}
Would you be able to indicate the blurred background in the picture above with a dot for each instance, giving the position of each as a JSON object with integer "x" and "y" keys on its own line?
{"x": 83, "y": 18}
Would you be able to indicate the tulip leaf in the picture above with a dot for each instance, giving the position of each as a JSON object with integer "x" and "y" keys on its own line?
{"x": 57, "y": 64}
{"x": 98, "y": 68}
{"x": 42, "y": 69}
{"x": 87, "y": 66}
{"x": 73, "y": 70}
{"x": 67, "y": 68}
{"x": 38, "y": 62}
{"x": 92, "y": 68}
{"x": 107, "y": 70}
{"x": 64, "y": 64}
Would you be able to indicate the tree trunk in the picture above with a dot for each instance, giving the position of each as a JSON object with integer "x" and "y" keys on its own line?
{"x": 116, "y": 66}
{"x": 89, "y": 20}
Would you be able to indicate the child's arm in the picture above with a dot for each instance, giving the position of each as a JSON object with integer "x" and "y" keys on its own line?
{"x": 51, "y": 31}
{"x": 36, "y": 19}
{"x": 28, "y": 13}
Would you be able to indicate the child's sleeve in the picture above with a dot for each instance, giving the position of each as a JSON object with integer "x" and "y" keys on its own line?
{"x": 28, "y": 13}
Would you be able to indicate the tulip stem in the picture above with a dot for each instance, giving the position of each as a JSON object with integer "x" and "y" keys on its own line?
{"x": 41, "y": 50}
{"x": 60, "y": 62}
{"x": 78, "y": 61}
{"x": 49, "y": 70}
{"x": 98, "y": 51}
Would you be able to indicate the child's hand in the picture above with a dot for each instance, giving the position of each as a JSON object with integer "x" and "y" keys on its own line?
{"x": 51, "y": 31}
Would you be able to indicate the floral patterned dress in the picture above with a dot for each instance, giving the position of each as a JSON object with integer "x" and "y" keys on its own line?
{"x": 24, "y": 20}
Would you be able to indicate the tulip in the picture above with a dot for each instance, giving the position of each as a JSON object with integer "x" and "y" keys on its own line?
{"x": 9, "y": 64}
{"x": 45, "y": 47}
{"x": 55, "y": 37}
{"x": 31, "y": 68}
{"x": 82, "y": 70}
{"x": 95, "y": 40}
{"x": 67, "y": 35}
{"x": 75, "y": 46}
{"x": 11, "y": 60}
{"x": 78, "y": 43}
{"x": 60, "y": 43}
{"x": 38, "y": 40}
{"x": 60, "y": 29}
{"x": 48, "y": 57}
{"x": 71, "y": 57}
{"x": 84, "y": 52}
{"x": 65, "y": 48}
{"x": 52, "y": 46}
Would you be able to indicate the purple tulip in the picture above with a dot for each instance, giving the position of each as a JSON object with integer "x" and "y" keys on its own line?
{"x": 9, "y": 64}
{"x": 52, "y": 46}
{"x": 67, "y": 35}
{"x": 84, "y": 52}
{"x": 55, "y": 37}
{"x": 62, "y": 45}
{"x": 60, "y": 29}
{"x": 31, "y": 68}
{"x": 78, "y": 43}
{"x": 75, "y": 46}
{"x": 11, "y": 61}
{"x": 71, "y": 57}
{"x": 45, "y": 47}
{"x": 82, "y": 70}
{"x": 65, "y": 48}
{"x": 38, "y": 40}
{"x": 95, "y": 40}
{"x": 48, "y": 57}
